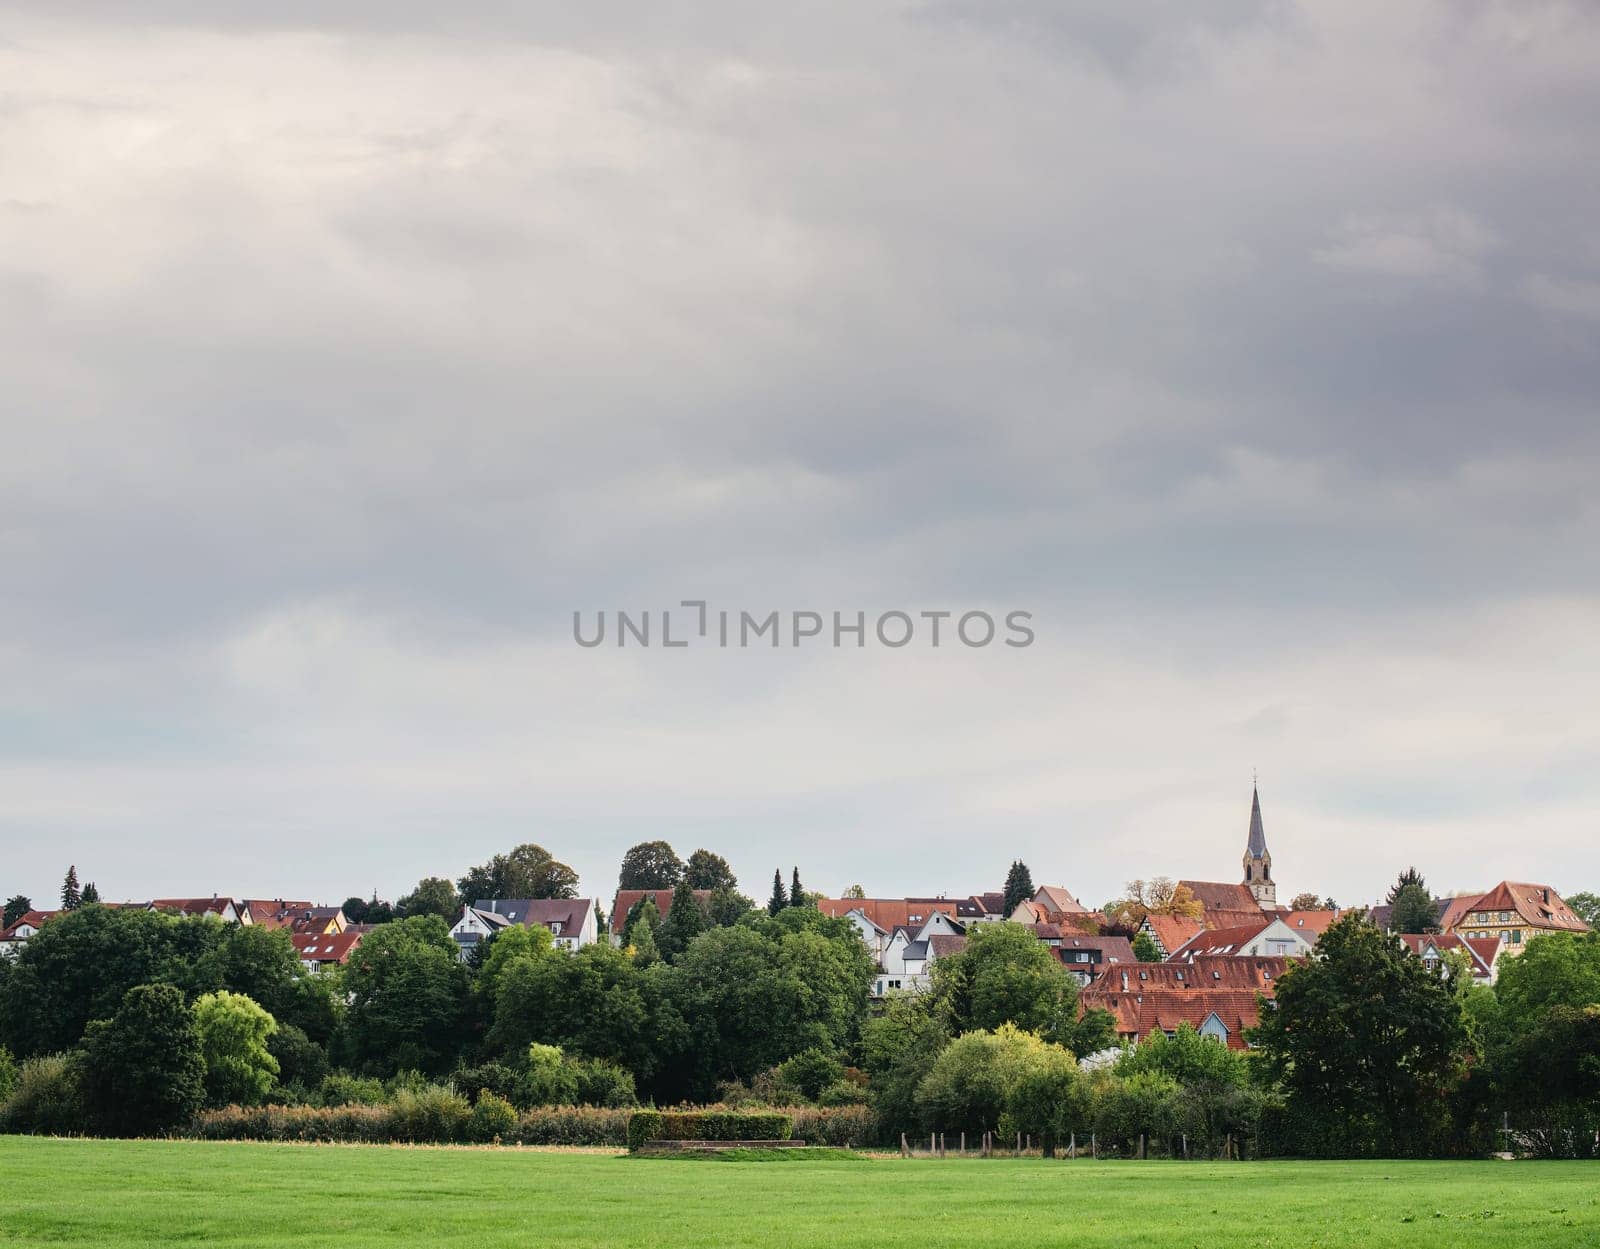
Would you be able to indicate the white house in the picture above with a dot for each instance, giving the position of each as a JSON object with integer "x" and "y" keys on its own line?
{"x": 1273, "y": 938}
{"x": 906, "y": 962}
{"x": 570, "y": 921}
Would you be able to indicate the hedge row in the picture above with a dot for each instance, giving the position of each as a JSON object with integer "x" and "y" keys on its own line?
{"x": 708, "y": 1125}
{"x": 440, "y": 1119}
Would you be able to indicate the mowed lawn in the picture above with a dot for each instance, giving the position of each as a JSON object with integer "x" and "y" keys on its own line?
{"x": 109, "y": 1193}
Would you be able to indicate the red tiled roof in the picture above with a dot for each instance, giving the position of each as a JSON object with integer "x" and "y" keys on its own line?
{"x": 191, "y": 906}
{"x": 1056, "y": 898}
{"x": 1216, "y": 896}
{"x": 31, "y": 918}
{"x": 623, "y": 903}
{"x": 1538, "y": 905}
{"x": 1481, "y": 958}
{"x": 326, "y": 947}
{"x": 1140, "y": 1014}
{"x": 1254, "y": 971}
{"x": 1455, "y": 910}
{"x": 1172, "y": 931}
{"x": 891, "y": 913}
{"x": 1312, "y": 923}
{"x": 270, "y": 912}
{"x": 1218, "y": 941}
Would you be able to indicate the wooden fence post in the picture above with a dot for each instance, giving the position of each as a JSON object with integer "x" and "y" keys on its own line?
{"x": 1141, "y": 1146}
{"x": 905, "y": 1149}
{"x": 941, "y": 1144}
{"x": 1019, "y": 1145}
{"x": 963, "y": 1143}
{"x": 1186, "y": 1147}
{"x": 933, "y": 1143}
{"x": 1072, "y": 1146}
{"x": 1094, "y": 1146}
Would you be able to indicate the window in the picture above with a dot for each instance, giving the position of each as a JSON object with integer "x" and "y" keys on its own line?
{"x": 1516, "y": 936}
{"x": 1505, "y": 917}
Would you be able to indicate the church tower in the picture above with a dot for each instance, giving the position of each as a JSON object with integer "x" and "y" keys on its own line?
{"x": 1257, "y": 858}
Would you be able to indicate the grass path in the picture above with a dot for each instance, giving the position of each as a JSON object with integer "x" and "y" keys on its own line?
{"x": 114, "y": 1193}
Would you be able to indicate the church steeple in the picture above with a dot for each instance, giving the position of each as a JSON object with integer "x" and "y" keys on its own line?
{"x": 1257, "y": 858}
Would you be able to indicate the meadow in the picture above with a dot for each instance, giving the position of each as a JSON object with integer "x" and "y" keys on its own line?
{"x": 113, "y": 1193}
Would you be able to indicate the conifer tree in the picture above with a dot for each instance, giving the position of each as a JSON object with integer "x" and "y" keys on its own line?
{"x": 797, "y": 893}
{"x": 779, "y": 899}
{"x": 71, "y": 899}
{"x": 684, "y": 922}
{"x": 1019, "y": 885}
{"x": 645, "y": 950}
{"x": 90, "y": 894}
{"x": 17, "y": 906}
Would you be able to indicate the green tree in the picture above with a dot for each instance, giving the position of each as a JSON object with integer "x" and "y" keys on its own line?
{"x": 1556, "y": 969}
{"x": 234, "y": 1031}
{"x": 641, "y": 912}
{"x": 529, "y": 871}
{"x": 434, "y": 895}
{"x": 1585, "y": 905}
{"x": 408, "y": 992}
{"x": 90, "y": 894}
{"x": 506, "y": 947}
{"x": 8, "y": 1074}
{"x": 705, "y": 870}
{"x": 1019, "y": 885}
{"x": 726, "y": 906}
{"x": 754, "y": 995}
{"x": 1305, "y": 902}
{"x": 355, "y": 909}
{"x": 643, "y": 947}
{"x": 779, "y": 898}
{"x": 854, "y": 892}
{"x": 969, "y": 1083}
{"x": 595, "y": 1003}
{"x": 650, "y": 865}
{"x": 898, "y": 1047}
{"x": 71, "y": 899}
{"x": 143, "y": 1072}
{"x": 1007, "y": 975}
{"x": 684, "y": 922}
{"x": 811, "y": 1071}
{"x": 1365, "y": 1041}
{"x": 17, "y": 906}
{"x": 1144, "y": 948}
{"x": 797, "y": 894}
{"x": 1411, "y": 905}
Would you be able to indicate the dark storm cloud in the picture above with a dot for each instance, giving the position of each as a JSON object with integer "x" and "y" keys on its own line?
{"x": 349, "y": 350}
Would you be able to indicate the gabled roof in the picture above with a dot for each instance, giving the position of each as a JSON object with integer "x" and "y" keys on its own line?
{"x": 1537, "y": 905}
{"x": 1311, "y": 923}
{"x": 1057, "y": 898}
{"x": 1147, "y": 1010}
{"x": 944, "y": 944}
{"x": 271, "y": 912}
{"x": 1171, "y": 931}
{"x": 29, "y": 919}
{"x": 1219, "y": 941}
{"x": 1106, "y": 950}
{"x": 325, "y": 947}
{"x": 990, "y": 903}
{"x": 1216, "y": 896}
{"x": 915, "y": 950}
{"x": 570, "y": 913}
{"x": 891, "y": 913}
{"x": 1452, "y": 910}
{"x": 1481, "y": 952}
{"x": 1253, "y": 972}
{"x": 192, "y": 906}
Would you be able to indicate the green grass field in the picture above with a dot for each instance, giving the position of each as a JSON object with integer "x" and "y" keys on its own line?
{"x": 107, "y": 1193}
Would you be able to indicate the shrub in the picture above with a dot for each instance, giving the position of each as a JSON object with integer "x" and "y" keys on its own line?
{"x": 811, "y": 1071}
{"x": 496, "y": 1078}
{"x": 602, "y": 1083}
{"x": 8, "y": 1073}
{"x": 548, "y": 1079}
{"x": 302, "y": 1063}
{"x": 434, "y": 1115}
{"x": 493, "y": 1118}
{"x": 842, "y": 1093}
{"x": 574, "y": 1125}
{"x": 837, "y": 1125}
{"x": 45, "y": 1099}
{"x": 343, "y": 1089}
{"x": 709, "y": 1125}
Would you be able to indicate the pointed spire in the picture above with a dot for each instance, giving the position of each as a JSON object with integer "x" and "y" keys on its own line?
{"x": 1257, "y": 847}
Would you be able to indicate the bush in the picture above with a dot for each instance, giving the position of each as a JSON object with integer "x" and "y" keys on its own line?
{"x": 709, "y": 1125}
{"x": 811, "y": 1071}
{"x": 302, "y": 1063}
{"x": 548, "y": 1079}
{"x": 493, "y": 1118}
{"x": 46, "y": 1099}
{"x": 343, "y": 1089}
{"x": 496, "y": 1078}
{"x": 8, "y": 1073}
{"x": 843, "y": 1093}
{"x": 837, "y": 1125}
{"x": 574, "y": 1125}
{"x": 602, "y": 1083}
{"x": 436, "y": 1115}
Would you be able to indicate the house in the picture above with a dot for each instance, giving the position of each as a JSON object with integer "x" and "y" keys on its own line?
{"x": 1047, "y": 902}
{"x": 1085, "y": 957}
{"x": 1219, "y": 997}
{"x": 627, "y": 899}
{"x": 1312, "y": 924}
{"x": 1513, "y": 913}
{"x": 1482, "y": 953}
{"x": 570, "y": 922}
{"x": 319, "y": 951}
{"x": 1264, "y": 937}
{"x": 1169, "y": 932}
{"x": 876, "y": 919}
{"x": 12, "y": 939}
{"x": 908, "y": 955}
{"x": 222, "y": 908}
{"x": 269, "y": 912}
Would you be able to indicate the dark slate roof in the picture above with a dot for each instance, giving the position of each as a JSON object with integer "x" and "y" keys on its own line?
{"x": 1258, "y": 835}
{"x": 916, "y": 949}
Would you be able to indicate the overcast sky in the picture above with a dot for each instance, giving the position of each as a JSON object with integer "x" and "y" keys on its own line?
{"x": 1253, "y": 347}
